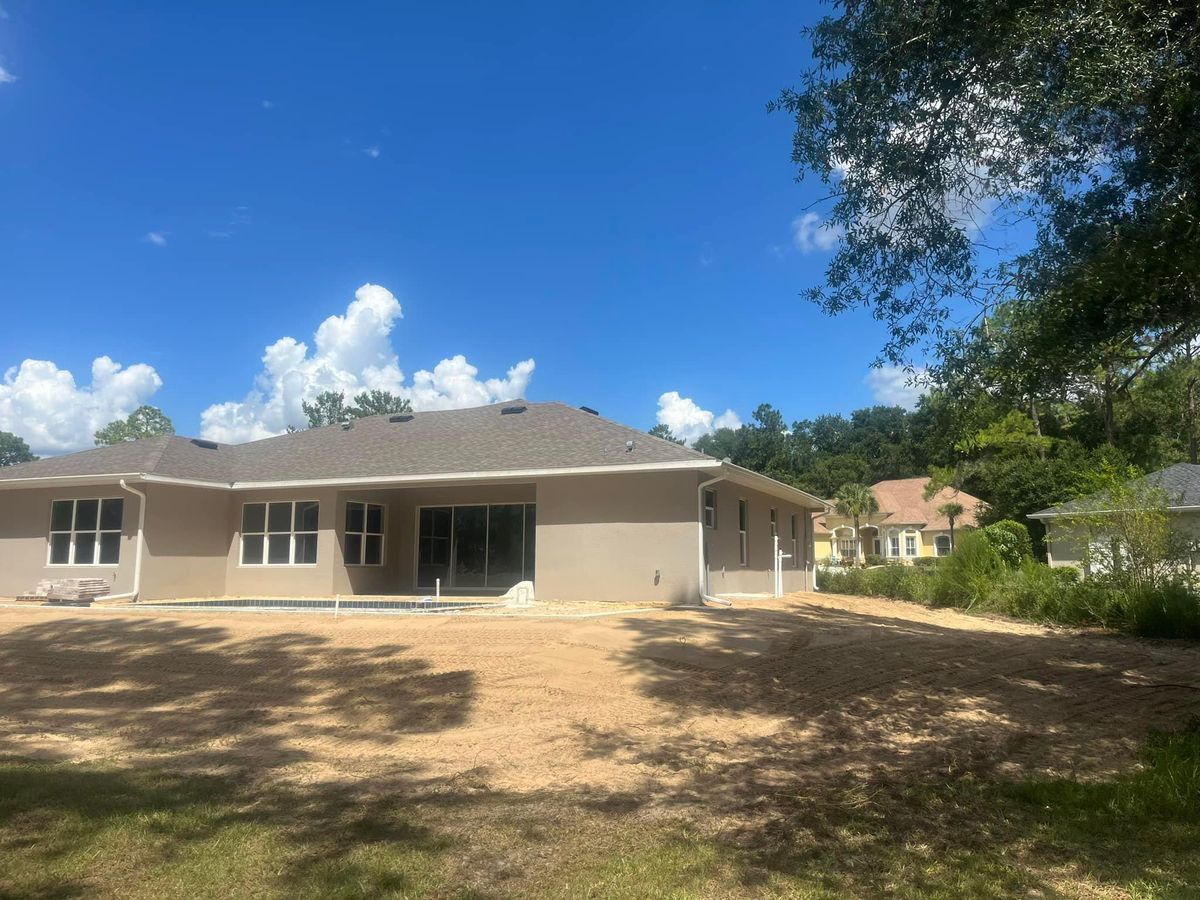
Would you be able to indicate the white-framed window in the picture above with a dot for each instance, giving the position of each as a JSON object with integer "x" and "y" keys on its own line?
{"x": 845, "y": 543}
{"x": 910, "y": 544}
{"x": 774, "y": 522}
{"x": 893, "y": 543}
{"x": 364, "y": 538}
{"x": 85, "y": 532}
{"x": 743, "y": 532}
{"x": 941, "y": 545}
{"x": 280, "y": 533}
{"x": 710, "y": 509}
{"x": 795, "y": 542}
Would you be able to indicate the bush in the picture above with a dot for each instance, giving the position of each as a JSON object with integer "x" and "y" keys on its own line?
{"x": 894, "y": 581}
{"x": 925, "y": 561}
{"x": 1011, "y": 541}
{"x": 1033, "y": 591}
{"x": 967, "y": 576}
{"x": 1168, "y": 611}
{"x": 874, "y": 559}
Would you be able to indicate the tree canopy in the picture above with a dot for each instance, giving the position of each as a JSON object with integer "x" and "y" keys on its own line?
{"x": 14, "y": 450}
{"x": 935, "y": 124}
{"x": 143, "y": 422}
{"x": 330, "y": 407}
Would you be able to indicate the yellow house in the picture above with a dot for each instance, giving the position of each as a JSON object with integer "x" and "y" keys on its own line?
{"x": 906, "y": 527}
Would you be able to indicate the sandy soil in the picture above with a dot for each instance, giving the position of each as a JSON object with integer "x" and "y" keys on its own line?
{"x": 720, "y": 710}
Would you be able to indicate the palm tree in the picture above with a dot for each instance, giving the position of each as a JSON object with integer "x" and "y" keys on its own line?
{"x": 853, "y": 501}
{"x": 951, "y": 511}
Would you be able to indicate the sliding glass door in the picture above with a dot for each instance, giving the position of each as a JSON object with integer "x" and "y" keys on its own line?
{"x": 476, "y": 546}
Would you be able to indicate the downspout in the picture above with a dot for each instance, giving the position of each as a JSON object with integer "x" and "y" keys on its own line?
{"x": 137, "y": 556}
{"x": 703, "y": 567}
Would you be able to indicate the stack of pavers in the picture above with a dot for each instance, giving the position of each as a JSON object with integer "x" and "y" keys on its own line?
{"x": 68, "y": 590}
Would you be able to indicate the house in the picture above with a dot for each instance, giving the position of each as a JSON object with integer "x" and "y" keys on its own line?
{"x": 906, "y": 527}
{"x": 471, "y": 501}
{"x": 1179, "y": 485}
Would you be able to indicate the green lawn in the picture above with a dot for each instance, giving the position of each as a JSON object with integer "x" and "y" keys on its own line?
{"x": 75, "y": 830}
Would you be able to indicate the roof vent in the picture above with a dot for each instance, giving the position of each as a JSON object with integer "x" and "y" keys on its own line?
{"x": 513, "y": 410}
{"x": 629, "y": 445}
{"x": 405, "y": 417}
{"x": 206, "y": 445}
{"x": 588, "y": 409}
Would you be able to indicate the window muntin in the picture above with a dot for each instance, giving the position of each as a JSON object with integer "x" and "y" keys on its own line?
{"x": 941, "y": 545}
{"x": 363, "y": 544}
{"x": 280, "y": 533}
{"x": 845, "y": 544}
{"x": 743, "y": 536}
{"x": 893, "y": 544}
{"x": 910, "y": 544}
{"x": 710, "y": 509}
{"x": 85, "y": 532}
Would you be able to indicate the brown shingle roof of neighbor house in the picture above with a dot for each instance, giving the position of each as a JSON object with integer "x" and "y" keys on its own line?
{"x": 902, "y": 502}
{"x": 484, "y": 441}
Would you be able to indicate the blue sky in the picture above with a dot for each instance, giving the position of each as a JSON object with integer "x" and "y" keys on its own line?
{"x": 596, "y": 188}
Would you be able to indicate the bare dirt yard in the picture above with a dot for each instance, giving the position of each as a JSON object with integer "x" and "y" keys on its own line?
{"x": 728, "y": 723}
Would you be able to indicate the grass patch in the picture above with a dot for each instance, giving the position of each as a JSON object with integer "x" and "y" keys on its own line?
{"x": 73, "y": 830}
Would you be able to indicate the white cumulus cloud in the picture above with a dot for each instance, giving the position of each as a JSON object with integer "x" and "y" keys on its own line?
{"x": 688, "y": 421}
{"x": 895, "y": 386}
{"x": 6, "y": 77}
{"x": 157, "y": 238}
{"x": 811, "y": 234}
{"x": 373, "y": 151}
{"x": 351, "y": 352}
{"x": 43, "y": 404}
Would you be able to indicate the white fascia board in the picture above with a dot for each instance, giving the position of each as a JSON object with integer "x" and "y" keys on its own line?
{"x": 66, "y": 480}
{"x": 767, "y": 485}
{"x": 469, "y": 477}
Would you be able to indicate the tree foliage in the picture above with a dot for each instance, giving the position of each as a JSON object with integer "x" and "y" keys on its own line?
{"x": 933, "y": 124}
{"x": 143, "y": 422}
{"x": 331, "y": 408}
{"x": 14, "y": 450}
{"x": 664, "y": 431}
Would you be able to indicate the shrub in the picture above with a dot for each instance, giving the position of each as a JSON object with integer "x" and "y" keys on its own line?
{"x": 925, "y": 561}
{"x": 1011, "y": 541}
{"x": 874, "y": 559}
{"x": 1033, "y": 591}
{"x": 1170, "y": 611}
{"x": 967, "y": 576}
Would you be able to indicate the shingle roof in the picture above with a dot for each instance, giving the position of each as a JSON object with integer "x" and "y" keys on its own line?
{"x": 478, "y": 440}
{"x": 1180, "y": 482}
{"x": 902, "y": 502}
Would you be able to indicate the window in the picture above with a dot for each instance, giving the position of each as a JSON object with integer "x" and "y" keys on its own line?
{"x": 774, "y": 523}
{"x": 941, "y": 545}
{"x": 795, "y": 543}
{"x": 364, "y": 534}
{"x": 893, "y": 544}
{"x": 910, "y": 544}
{"x": 845, "y": 544}
{"x": 280, "y": 533}
{"x": 743, "y": 524}
{"x": 710, "y": 509}
{"x": 476, "y": 545}
{"x": 86, "y": 532}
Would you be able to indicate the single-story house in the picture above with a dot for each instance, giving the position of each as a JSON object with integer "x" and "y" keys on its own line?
{"x": 1179, "y": 485}
{"x": 906, "y": 527}
{"x": 471, "y": 501}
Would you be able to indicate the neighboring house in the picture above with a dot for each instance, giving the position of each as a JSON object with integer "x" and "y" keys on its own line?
{"x": 477, "y": 500}
{"x": 906, "y": 527}
{"x": 1180, "y": 484}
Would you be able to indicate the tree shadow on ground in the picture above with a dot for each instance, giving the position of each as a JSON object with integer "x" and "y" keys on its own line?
{"x": 874, "y": 733}
{"x": 166, "y": 687}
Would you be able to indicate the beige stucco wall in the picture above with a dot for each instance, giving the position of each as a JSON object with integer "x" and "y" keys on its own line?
{"x": 726, "y": 574}
{"x": 282, "y": 581}
{"x": 628, "y": 538}
{"x": 24, "y": 533}
{"x": 187, "y": 541}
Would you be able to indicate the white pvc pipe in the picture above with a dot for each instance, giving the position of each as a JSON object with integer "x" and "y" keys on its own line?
{"x": 137, "y": 556}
